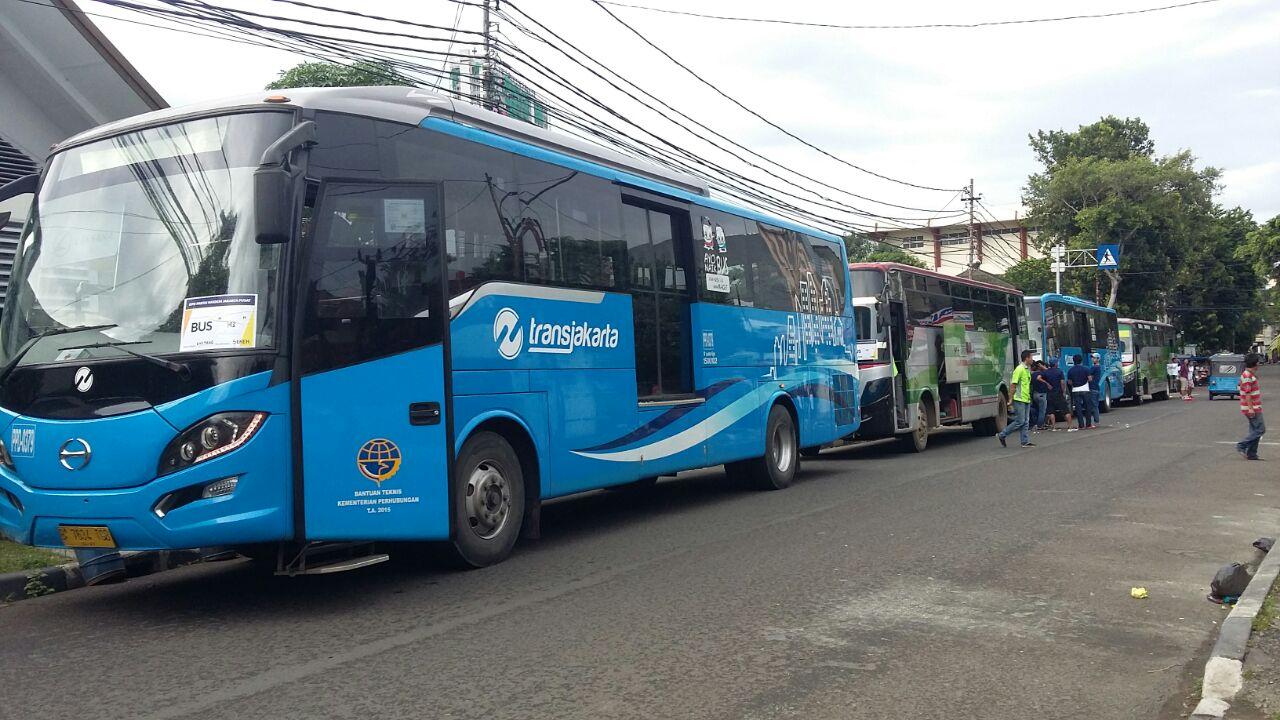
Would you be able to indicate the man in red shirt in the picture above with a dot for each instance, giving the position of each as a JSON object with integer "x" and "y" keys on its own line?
{"x": 1251, "y": 406}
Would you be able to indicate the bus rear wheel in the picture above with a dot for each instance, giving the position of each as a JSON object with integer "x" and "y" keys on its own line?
{"x": 918, "y": 439}
{"x": 776, "y": 469}
{"x": 488, "y": 502}
{"x": 986, "y": 427}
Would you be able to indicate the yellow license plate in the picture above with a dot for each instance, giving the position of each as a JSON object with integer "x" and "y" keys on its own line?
{"x": 82, "y": 536}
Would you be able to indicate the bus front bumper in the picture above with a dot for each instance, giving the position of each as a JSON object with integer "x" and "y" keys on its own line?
{"x": 169, "y": 512}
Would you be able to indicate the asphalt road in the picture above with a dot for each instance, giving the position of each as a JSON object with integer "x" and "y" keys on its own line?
{"x": 969, "y": 581}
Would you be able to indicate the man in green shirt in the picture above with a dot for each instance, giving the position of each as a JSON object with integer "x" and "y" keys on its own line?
{"x": 1021, "y": 382}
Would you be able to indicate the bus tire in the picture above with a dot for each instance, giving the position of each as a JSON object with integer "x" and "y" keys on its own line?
{"x": 776, "y": 469}
{"x": 1104, "y": 397}
{"x": 986, "y": 427}
{"x": 488, "y": 503}
{"x": 1139, "y": 395}
{"x": 918, "y": 439}
{"x": 1161, "y": 395}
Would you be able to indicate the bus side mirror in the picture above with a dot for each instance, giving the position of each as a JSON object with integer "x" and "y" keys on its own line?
{"x": 22, "y": 186}
{"x": 273, "y": 184}
{"x": 273, "y": 204}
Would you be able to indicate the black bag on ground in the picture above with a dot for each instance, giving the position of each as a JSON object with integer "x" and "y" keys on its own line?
{"x": 1230, "y": 581}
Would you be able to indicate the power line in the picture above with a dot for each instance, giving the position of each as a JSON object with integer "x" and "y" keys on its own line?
{"x": 329, "y": 47}
{"x": 922, "y": 26}
{"x": 560, "y": 45}
{"x": 756, "y": 114}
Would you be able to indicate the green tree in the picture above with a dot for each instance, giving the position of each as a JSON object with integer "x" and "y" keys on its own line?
{"x": 1262, "y": 248}
{"x": 1032, "y": 276}
{"x": 1102, "y": 184}
{"x": 1216, "y": 296}
{"x": 324, "y": 74}
{"x": 862, "y": 248}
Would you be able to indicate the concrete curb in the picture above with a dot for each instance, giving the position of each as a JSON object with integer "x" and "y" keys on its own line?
{"x": 24, "y": 585}
{"x": 1223, "y": 674}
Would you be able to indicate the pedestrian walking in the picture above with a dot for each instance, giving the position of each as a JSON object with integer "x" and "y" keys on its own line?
{"x": 1021, "y": 382}
{"x": 1095, "y": 389}
{"x": 1251, "y": 406}
{"x": 1078, "y": 379}
{"x": 1039, "y": 396}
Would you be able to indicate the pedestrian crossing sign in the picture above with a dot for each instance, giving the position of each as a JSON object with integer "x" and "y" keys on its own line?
{"x": 1108, "y": 257}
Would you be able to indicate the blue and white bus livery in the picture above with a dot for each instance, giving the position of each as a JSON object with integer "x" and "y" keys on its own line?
{"x": 1063, "y": 326}
{"x": 365, "y": 314}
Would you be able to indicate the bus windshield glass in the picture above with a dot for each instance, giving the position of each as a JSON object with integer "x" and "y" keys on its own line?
{"x": 148, "y": 238}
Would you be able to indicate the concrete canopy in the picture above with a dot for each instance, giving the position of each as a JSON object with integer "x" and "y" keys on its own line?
{"x": 59, "y": 75}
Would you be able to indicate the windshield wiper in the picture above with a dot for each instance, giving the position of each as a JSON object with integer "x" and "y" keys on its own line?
{"x": 183, "y": 370}
{"x": 22, "y": 351}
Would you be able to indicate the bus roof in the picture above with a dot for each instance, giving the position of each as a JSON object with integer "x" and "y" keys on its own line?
{"x": 1133, "y": 321}
{"x": 416, "y": 106}
{"x": 397, "y": 104}
{"x": 1069, "y": 300}
{"x": 886, "y": 266}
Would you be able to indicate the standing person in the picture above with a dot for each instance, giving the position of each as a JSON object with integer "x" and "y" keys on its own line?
{"x": 1078, "y": 379}
{"x": 1251, "y": 406}
{"x": 1184, "y": 379}
{"x": 1021, "y": 382}
{"x": 1095, "y": 389}
{"x": 1039, "y": 396}
{"x": 1056, "y": 394}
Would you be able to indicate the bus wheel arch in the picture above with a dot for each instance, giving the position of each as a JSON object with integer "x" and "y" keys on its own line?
{"x": 496, "y": 491}
{"x": 989, "y": 426}
{"x": 776, "y": 468}
{"x": 917, "y": 438}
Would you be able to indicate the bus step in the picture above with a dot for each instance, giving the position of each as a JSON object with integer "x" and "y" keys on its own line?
{"x": 342, "y": 565}
{"x": 325, "y": 558}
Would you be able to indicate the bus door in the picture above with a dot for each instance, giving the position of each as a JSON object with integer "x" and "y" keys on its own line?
{"x": 658, "y": 248}
{"x": 898, "y": 348}
{"x": 371, "y": 358}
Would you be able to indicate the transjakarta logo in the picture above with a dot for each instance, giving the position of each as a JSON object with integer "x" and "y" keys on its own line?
{"x": 555, "y": 339}
{"x": 507, "y": 333}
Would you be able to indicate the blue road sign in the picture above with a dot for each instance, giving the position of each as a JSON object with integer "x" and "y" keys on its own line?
{"x": 1108, "y": 257}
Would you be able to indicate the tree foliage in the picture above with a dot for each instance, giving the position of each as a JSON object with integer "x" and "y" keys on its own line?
{"x": 1262, "y": 248}
{"x": 862, "y": 248}
{"x": 1182, "y": 255}
{"x": 1214, "y": 298}
{"x": 1102, "y": 184}
{"x": 324, "y": 74}
{"x": 1032, "y": 276}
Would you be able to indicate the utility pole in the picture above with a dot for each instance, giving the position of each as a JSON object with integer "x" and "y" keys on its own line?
{"x": 488, "y": 74}
{"x": 972, "y": 199}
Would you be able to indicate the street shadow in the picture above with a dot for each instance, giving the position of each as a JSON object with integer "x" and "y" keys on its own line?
{"x": 241, "y": 590}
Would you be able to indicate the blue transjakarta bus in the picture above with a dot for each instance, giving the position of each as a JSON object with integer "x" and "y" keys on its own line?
{"x": 1063, "y": 326}
{"x": 287, "y": 324}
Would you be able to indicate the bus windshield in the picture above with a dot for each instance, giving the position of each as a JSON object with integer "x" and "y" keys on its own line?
{"x": 129, "y": 233}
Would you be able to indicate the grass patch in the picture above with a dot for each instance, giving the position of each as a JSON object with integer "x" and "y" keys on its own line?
{"x": 1266, "y": 616}
{"x": 15, "y": 557}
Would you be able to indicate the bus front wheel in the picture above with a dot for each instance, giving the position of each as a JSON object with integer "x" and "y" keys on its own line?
{"x": 918, "y": 439}
{"x": 488, "y": 502}
{"x": 777, "y": 468}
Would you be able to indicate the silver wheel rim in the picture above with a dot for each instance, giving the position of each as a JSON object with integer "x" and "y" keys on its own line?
{"x": 922, "y": 424}
{"x": 488, "y": 500}
{"x": 784, "y": 448}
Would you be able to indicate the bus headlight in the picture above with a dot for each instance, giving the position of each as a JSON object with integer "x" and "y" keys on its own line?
{"x": 5, "y": 459}
{"x": 212, "y": 437}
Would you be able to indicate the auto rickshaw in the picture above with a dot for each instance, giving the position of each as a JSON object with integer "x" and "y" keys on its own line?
{"x": 1224, "y": 374}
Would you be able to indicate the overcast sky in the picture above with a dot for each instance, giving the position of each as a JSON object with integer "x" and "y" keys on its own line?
{"x": 933, "y": 106}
